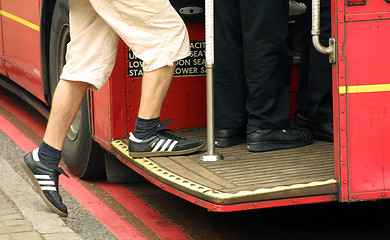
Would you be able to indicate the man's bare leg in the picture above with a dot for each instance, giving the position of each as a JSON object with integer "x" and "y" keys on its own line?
{"x": 69, "y": 95}
{"x": 42, "y": 163}
{"x": 147, "y": 141}
{"x": 66, "y": 102}
{"x": 155, "y": 85}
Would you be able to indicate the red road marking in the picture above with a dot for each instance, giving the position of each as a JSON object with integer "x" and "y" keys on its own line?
{"x": 160, "y": 225}
{"x": 114, "y": 223}
{"x": 16, "y": 136}
{"x": 20, "y": 113}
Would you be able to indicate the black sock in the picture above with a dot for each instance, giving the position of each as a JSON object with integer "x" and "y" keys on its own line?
{"x": 49, "y": 156}
{"x": 144, "y": 128}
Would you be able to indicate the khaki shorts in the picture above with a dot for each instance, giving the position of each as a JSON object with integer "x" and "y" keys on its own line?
{"x": 152, "y": 29}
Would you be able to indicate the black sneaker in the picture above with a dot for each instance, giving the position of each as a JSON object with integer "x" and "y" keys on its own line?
{"x": 321, "y": 130}
{"x": 261, "y": 140}
{"x": 46, "y": 181}
{"x": 229, "y": 137}
{"x": 163, "y": 143}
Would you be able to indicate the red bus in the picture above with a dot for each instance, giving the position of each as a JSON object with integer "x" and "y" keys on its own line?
{"x": 34, "y": 34}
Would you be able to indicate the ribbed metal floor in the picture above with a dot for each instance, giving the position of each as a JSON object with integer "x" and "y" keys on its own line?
{"x": 244, "y": 176}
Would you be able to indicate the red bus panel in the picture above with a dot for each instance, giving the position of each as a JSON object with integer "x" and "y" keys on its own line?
{"x": 367, "y": 89}
{"x": 21, "y": 50}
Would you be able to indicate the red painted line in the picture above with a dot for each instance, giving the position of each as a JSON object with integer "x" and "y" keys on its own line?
{"x": 160, "y": 225}
{"x": 163, "y": 227}
{"x": 16, "y": 136}
{"x": 114, "y": 223}
{"x": 37, "y": 126}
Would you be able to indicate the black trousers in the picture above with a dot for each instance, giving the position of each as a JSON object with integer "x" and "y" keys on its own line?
{"x": 314, "y": 96}
{"x": 252, "y": 64}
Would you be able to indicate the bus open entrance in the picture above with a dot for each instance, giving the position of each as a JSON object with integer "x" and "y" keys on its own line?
{"x": 351, "y": 169}
{"x": 243, "y": 180}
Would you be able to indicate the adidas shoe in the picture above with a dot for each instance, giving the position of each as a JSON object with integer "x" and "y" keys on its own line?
{"x": 163, "y": 143}
{"x": 46, "y": 181}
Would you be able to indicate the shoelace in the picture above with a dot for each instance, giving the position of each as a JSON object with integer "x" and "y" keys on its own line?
{"x": 61, "y": 171}
{"x": 164, "y": 133}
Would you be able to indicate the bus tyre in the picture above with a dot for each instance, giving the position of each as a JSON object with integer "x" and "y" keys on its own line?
{"x": 82, "y": 155}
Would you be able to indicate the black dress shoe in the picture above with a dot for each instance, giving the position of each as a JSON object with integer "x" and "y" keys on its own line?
{"x": 261, "y": 140}
{"x": 229, "y": 137}
{"x": 320, "y": 131}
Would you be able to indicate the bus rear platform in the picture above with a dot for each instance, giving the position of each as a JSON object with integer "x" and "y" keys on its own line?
{"x": 242, "y": 180}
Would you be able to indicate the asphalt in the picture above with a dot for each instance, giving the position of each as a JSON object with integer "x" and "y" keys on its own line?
{"x": 23, "y": 214}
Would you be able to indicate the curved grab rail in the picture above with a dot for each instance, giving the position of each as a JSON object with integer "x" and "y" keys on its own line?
{"x": 315, "y": 32}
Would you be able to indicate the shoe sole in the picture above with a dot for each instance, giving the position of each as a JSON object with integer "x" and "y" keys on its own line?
{"x": 222, "y": 143}
{"x": 165, "y": 153}
{"x": 267, "y": 146}
{"x": 40, "y": 192}
{"x": 322, "y": 136}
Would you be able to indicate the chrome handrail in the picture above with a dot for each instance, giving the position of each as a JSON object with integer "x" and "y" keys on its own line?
{"x": 315, "y": 32}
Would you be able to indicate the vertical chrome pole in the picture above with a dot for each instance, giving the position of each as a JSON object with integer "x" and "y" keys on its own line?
{"x": 210, "y": 155}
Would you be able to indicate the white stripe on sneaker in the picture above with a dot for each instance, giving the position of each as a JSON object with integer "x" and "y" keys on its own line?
{"x": 42, "y": 177}
{"x": 46, "y": 183}
{"x": 49, "y": 188}
{"x": 155, "y": 149}
{"x": 172, "y": 146}
{"x": 166, "y": 145}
